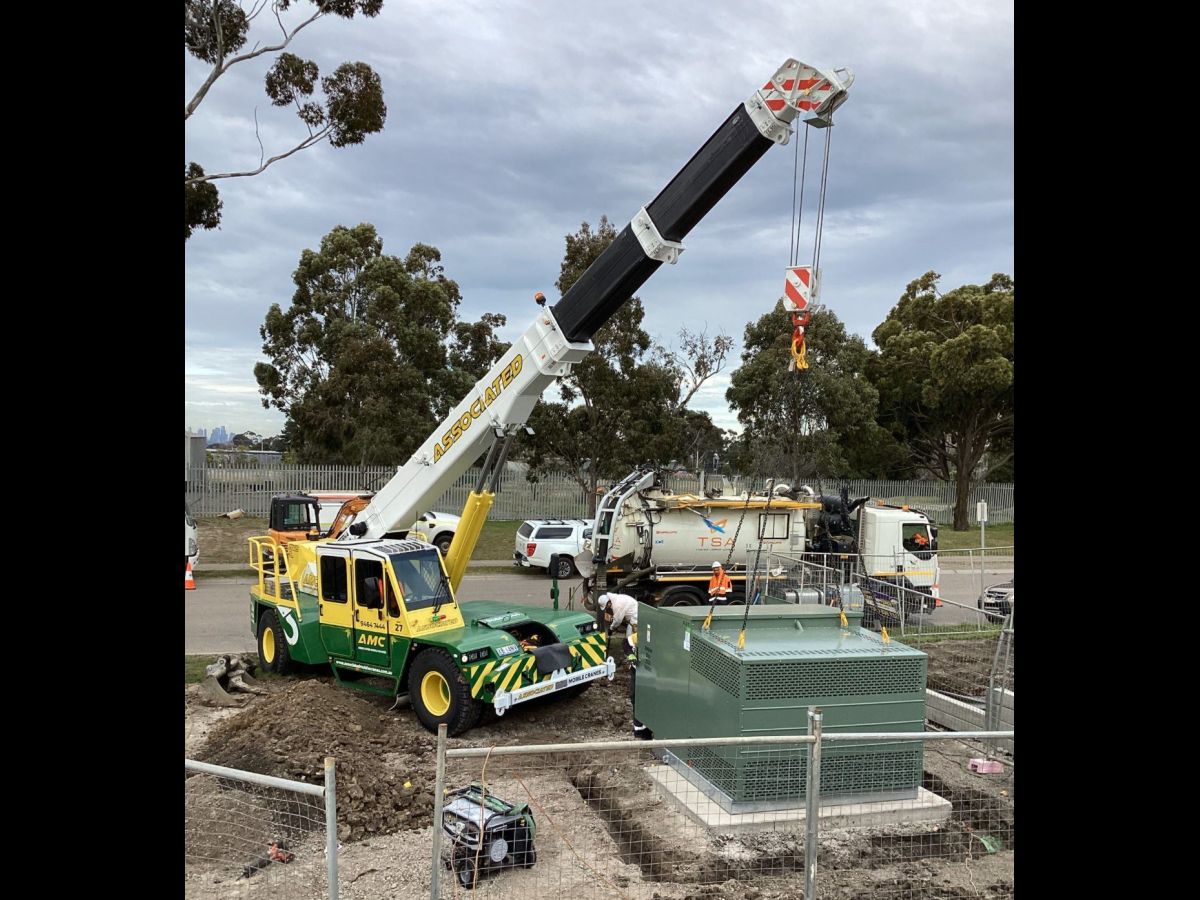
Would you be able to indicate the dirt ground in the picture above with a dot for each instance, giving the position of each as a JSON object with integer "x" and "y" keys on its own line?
{"x": 226, "y": 540}
{"x": 963, "y": 667}
{"x": 603, "y": 830}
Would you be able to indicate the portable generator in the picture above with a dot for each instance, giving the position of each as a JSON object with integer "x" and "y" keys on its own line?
{"x": 486, "y": 834}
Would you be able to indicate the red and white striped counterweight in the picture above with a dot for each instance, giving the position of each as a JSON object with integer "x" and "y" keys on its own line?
{"x": 799, "y": 291}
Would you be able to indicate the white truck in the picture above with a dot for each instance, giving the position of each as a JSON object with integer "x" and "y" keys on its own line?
{"x": 661, "y": 545}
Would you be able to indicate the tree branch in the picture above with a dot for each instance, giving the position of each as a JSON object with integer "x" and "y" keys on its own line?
{"x": 303, "y": 145}
{"x": 255, "y": 9}
{"x": 222, "y": 66}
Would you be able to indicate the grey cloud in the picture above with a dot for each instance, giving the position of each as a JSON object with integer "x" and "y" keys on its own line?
{"x": 508, "y": 126}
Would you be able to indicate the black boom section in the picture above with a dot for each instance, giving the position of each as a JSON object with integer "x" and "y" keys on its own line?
{"x": 624, "y": 267}
{"x": 608, "y": 282}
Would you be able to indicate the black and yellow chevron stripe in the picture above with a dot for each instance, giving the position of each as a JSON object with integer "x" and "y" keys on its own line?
{"x": 520, "y": 670}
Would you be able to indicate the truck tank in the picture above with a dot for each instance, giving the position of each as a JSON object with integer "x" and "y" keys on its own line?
{"x": 662, "y": 529}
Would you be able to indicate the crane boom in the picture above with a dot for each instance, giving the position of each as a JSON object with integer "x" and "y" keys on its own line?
{"x": 501, "y": 401}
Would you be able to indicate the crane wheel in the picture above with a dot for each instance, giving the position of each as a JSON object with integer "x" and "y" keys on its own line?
{"x": 273, "y": 653}
{"x": 439, "y": 693}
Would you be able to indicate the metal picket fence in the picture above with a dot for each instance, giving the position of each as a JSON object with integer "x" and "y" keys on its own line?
{"x": 216, "y": 490}
{"x": 645, "y": 819}
{"x": 258, "y": 837}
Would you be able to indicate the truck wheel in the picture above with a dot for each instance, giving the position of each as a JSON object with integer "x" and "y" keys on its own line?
{"x": 443, "y": 543}
{"x": 681, "y": 595}
{"x": 440, "y": 693}
{"x": 560, "y": 567}
{"x": 273, "y": 653}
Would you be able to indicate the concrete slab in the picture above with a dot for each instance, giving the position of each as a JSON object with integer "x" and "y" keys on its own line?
{"x": 927, "y": 807}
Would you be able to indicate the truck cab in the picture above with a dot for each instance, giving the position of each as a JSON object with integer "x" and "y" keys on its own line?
{"x": 898, "y": 549}
{"x": 294, "y": 517}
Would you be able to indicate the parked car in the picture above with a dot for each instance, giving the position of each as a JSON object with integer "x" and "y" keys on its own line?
{"x": 997, "y": 601}
{"x": 191, "y": 544}
{"x": 551, "y": 544}
{"x": 438, "y": 527}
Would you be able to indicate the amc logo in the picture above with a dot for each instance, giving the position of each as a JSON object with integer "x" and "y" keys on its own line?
{"x": 372, "y": 640}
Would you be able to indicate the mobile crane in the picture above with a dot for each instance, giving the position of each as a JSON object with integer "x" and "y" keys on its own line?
{"x": 377, "y": 605}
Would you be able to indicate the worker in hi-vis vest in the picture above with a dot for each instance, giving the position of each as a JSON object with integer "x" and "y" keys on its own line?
{"x": 719, "y": 585}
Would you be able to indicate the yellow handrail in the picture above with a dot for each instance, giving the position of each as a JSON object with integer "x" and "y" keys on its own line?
{"x": 260, "y": 563}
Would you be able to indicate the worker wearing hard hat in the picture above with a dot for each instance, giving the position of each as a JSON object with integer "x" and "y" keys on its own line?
{"x": 616, "y": 610}
{"x": 719, "y": 585}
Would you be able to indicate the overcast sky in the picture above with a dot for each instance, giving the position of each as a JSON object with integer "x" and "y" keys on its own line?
{"x": 511, "y": 123}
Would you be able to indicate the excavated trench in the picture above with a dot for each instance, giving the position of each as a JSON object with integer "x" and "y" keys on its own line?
{"x": 617, "y": 796}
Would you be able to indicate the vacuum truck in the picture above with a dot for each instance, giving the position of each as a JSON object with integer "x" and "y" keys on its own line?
{"x": 660, "y": 546}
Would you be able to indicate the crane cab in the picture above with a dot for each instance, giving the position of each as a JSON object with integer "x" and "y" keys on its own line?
{"x": 294, "y": 517}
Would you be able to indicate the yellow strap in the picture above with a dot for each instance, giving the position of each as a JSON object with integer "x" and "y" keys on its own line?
{"x": 845, "y": 624}
{"x": 742, "y": 639}
{"x": 798, "y": 356}
{"x": 883, "y": 634}
{"x": 707, "y": 620}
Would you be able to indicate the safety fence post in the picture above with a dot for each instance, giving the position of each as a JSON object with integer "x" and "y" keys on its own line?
{"x": 439, "y": 794}
{"x": 331, "y": 841}
{"x": 812, "y": 804}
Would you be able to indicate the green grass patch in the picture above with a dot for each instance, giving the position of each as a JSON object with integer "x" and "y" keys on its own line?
{"x": 193, "y": 668}
{"x": 497, "y": 539}
{"x": 997, "y": 536}
{"x": 965, "y": 631}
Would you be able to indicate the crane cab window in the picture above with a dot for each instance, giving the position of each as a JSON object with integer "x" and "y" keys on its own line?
{"x": 371, "y": 586}
{"x": 333, "y": 578}
{"x": 421, "y": 580}
{"x": 292, "y": 514}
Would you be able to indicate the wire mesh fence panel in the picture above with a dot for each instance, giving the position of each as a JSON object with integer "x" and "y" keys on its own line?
{"x": 724, "y": 820}
{"x": 249, "y": 840}
{"x": 957, "y": 838}
{"x": 969, "y": 641}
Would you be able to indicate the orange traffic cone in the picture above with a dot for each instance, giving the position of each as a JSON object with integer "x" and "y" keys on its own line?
{"x": 189, "y": 582}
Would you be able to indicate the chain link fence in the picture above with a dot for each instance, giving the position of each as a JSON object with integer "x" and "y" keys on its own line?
{"x": 726, "y": 818}
{"x": 257, "y": 836}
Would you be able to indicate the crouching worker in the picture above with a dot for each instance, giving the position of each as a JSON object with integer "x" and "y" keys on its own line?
{"x": 616, "y": 610}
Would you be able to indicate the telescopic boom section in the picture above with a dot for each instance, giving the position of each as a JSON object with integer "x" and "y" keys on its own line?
{"x": 501, "y": 402}
{"x": 653, "y": 237}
